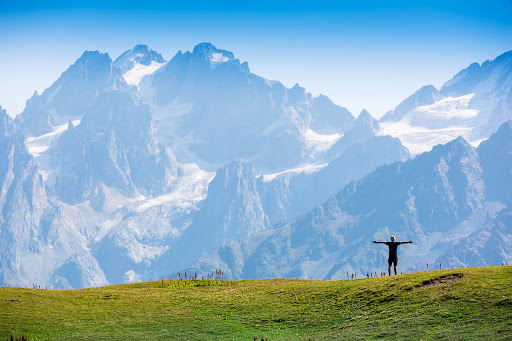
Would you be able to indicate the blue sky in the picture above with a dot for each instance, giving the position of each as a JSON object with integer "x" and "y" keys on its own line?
{"x": 362, "y": 54}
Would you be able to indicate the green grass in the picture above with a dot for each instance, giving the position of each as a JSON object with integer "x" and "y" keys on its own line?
{"x": 474, "y": 305}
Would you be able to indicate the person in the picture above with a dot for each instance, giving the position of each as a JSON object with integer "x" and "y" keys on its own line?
{"x": 393, "y": 256}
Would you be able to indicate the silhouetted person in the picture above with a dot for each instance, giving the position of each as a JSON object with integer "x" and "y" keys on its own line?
{"x": 393, "y": 256}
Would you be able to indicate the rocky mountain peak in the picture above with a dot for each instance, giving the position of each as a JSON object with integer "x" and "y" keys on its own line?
{"x": 140, "y": 54}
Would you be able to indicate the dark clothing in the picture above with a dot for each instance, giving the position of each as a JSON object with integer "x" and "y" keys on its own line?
{"x": 393, "y": 255}
{"x": 393, "y": 259}
{"x": 392, "y": 248}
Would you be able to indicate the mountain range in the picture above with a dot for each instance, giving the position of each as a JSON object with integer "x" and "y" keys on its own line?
{"x": 138, "y": 168}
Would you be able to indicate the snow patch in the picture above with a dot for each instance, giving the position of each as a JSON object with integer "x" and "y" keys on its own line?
{"x": 307, "y": 169}
{"x": 139, "y": 252}
{"x": 191, "y": 188}
{"x": 217, "y": 58}
{"x": 419, "y": 139}
{"x": 38, "y": 145}
{"x": 139, "y": 71}
{"x": 446, "y": 109}
{"x": 318, "y": 142}
{"x": 430, "y": 125}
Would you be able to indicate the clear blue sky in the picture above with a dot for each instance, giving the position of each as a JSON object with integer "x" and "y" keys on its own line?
{"x": 362, "y": 54}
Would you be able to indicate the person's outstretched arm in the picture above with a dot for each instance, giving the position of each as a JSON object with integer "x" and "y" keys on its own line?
{"x": 376, "y": 242}
{"x": 409, "y": 242}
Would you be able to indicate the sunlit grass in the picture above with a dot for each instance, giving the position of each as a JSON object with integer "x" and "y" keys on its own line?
{"x": 450, "y": 304}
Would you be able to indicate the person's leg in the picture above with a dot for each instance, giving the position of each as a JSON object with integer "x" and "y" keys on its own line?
{"x": 395, "y": 263}
{"x": 394, "y": 268}
{"x": 389, "y": 269}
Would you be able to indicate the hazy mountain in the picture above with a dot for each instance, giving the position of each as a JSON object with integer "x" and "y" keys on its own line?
{"x": 425, "y": 96}
{"x": 70, "y": 96}
{"x": 473, "y": 104}
{"x": 240, "y": 204}
{"x": 208, "y": 95}
{"x": 36, "y": 236}
{"x": 356, "y": 154}
{"x": 114, "y": 145}
{"x": 232, "y": 210}
{"x": 360, "y": 130}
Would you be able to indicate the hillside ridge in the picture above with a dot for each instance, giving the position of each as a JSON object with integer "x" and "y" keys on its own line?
{"x": 442, "y": 304}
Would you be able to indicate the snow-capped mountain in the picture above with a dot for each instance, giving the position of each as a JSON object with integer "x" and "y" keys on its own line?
{"x": 140, "y": 54}
{"x": 70, "y": 96}
{"x": 437, "y": 200}
{"x": 211, "y": 110}
{"x": 138, "y": 63}
{"x": 472, "y": 104}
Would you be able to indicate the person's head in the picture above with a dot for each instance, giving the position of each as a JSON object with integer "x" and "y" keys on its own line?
{"x": 393, "y": 238}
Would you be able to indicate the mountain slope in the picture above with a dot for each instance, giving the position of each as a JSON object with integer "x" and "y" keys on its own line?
{"x": 492, "y": 244}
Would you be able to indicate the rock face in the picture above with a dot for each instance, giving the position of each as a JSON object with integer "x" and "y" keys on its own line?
{"x": 23, "y": 202}
{"x": 115, "y": 145}
{"x": 233, "y": 205}
{"x": 207, "y": 96}
{"x": 37, "y": 236}
{"x": 70, "y": 96}
{"x": 231, "y": 211}
{"x": 490, "y": 245}
{"x": 496, "y": 161}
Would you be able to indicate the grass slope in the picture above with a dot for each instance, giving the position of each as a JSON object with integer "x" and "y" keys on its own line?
{"x": 450, "y": 304}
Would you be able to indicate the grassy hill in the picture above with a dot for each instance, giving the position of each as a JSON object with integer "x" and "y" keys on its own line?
{"x": 450, "y": 304}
